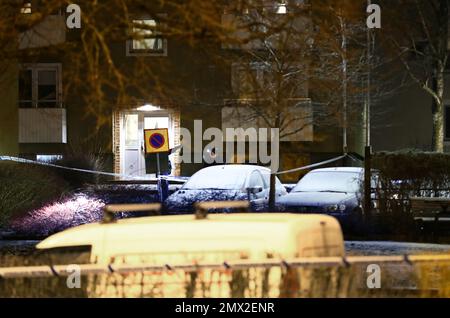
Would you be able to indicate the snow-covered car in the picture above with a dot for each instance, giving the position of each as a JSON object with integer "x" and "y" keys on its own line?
{"x": 333, "y": 191}
{"x": 225, "y": 183}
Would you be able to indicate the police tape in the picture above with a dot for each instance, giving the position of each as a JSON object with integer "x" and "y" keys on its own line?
{"x": 123, "y": 176}
{"x": 315, "y": 165}
{"x": 110, "y": 174}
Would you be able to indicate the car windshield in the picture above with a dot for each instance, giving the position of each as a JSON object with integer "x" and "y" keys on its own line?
{"x": 329, "y": 181}
{"x": 215, "y": 179}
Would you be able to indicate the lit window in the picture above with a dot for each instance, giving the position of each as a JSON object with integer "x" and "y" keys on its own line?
{"x": 131, "y": 130}
{"x": 48, "y": 158}
{"x": 156, "y": 122}
{"x": 26, "y": 8}
{"x": 148, "y": 108}
{"x": 282, "y": 8}
{"x": 147, "y": 38}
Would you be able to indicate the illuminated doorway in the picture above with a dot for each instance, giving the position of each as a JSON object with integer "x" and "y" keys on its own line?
{"x": 128, "y": 129}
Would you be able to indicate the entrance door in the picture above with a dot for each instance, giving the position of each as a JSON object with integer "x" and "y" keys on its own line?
{"x": 133, "y": 142}
{"x": 155, "y": 121}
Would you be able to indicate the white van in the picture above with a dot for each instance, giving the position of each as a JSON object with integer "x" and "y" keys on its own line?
{"x": 183, "y": 239}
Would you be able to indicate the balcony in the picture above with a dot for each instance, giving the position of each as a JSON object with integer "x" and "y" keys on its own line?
{"x": 42, "y": 125}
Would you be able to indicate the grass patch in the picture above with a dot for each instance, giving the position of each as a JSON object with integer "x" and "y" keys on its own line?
{"x": 26, "y": 187}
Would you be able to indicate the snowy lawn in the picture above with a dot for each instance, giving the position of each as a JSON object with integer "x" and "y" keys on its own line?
{"x": 78, "y": 208}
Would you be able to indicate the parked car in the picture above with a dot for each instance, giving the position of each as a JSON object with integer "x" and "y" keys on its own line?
{"x": 332, "y": 191}
{"x": 225, "y": 183}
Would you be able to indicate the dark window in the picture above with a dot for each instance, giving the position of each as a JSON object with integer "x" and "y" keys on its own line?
{"x": 26, "y": 89}
{"x": 447, "y": 122}
{"x": 47, "y": 89}
{"x": 39, "y": 86}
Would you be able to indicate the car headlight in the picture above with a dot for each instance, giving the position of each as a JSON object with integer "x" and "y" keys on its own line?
{"x": 336, "y": 208}
{"x": 333, "y": 208}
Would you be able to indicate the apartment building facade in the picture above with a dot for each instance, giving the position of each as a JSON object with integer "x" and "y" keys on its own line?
{"x": 40, "y": 119}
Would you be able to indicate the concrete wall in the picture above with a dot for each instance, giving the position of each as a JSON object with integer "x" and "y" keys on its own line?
{"x": 9, "y": 121}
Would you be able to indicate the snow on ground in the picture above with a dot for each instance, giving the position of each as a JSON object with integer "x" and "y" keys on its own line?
{"x": 57, "y": 216}
{"x": 393, "y": 248}
{"x": 79, "y": 208}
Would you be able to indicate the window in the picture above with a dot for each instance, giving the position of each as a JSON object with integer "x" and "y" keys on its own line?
{"x": 48, "y": 158}
{"x": 248, "y": 79}
{"x": 131, "y": 130}
{"x": 255, "y": 180}
{"x": 26, "y": 88}
{"x": 26, "y": 8}
{"x": 146, "y": 38}
{"x": 156, "y": 122}
{"x": 447, "y": 122}
{"x": 40, "y": 86}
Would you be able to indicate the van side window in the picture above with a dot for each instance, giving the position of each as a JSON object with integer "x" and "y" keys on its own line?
{"x": 68, "y": 255}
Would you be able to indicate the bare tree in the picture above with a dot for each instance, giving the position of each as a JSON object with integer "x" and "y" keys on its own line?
{"x": 94, "y": 72}
{"x": 293, "y": 60}
{"x": 271, "y": 66}
{"x": 419, "y": 38}
{"x": 345, "y": 60}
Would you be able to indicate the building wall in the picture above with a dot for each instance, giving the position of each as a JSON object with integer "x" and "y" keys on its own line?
{"x": 205, "y": 85}
{"x": 9, "y": 122}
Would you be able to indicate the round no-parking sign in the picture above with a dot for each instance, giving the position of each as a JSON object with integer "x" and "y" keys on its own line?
{"x": 156, "y": 140}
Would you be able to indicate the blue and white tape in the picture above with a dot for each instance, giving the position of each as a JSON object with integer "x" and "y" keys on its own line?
{"x": 110, "y": 174}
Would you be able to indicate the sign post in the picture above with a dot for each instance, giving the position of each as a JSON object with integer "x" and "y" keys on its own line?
{"x": 158, "y": 169}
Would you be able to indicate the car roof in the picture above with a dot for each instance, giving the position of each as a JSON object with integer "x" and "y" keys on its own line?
{"x": 341, "y": 169}
{"x": 230, "y": 230}
{"x": 236, "y": 167}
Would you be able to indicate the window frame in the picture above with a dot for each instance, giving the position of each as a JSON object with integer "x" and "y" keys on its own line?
{"x": 159, "y": 35}
{"x": 446, "y": 117}
{"x": 27, "y": 8}
{"x": 244, "y": 73}
{"x": 35, "y": 69}
{"x": 260, "y": 177}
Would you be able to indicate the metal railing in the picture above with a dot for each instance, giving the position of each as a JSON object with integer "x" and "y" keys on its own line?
{"x": 202, "y": 208}
{"x": 308, "y": 262}
{"x": 110, "y": 211}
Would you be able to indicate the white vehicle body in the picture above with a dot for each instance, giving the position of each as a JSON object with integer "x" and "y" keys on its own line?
{"x": 182, "y": 239}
